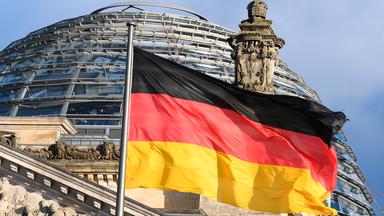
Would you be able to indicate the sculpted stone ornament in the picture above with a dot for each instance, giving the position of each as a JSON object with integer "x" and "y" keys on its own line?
{"x": 109, "y": 151}
{"x": 8, "y": 138}
{"x": 257, "y": 9}
{"x": 62, "y": 151}
{"x": 256, "y": 50}
{"x": 59, "y": 150}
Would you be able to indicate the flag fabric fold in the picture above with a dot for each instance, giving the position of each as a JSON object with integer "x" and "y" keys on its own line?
{"x": 193, "y": 133}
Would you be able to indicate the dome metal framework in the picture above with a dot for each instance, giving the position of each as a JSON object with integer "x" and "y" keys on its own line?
{"x": 75, "y": 68}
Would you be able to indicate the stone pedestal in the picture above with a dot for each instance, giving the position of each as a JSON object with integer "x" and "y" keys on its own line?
{"x": 150, "y": 197}
{"x": 181, "y": 201}
{"x": 213, "y": 208}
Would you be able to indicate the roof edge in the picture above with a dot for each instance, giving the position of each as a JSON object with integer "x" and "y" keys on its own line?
{"x": 149, "y": 4}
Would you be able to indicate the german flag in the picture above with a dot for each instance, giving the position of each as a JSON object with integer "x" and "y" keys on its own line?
{"x": 193, "y": 133}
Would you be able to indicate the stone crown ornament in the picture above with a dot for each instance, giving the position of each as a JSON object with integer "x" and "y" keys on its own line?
{"x": 257, "y": 8}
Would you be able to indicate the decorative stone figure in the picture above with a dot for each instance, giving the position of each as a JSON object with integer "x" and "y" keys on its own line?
{"x": 256, "y": 50}
{"x": 62, "y": 151}
{"x": 272, "y": 61}
{"x": 59, "y": 150}
{"x": 108, "y": 151}
{"x": 8, "y": 138}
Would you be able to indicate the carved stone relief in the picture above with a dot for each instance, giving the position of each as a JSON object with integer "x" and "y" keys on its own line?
{"x": 256, "y": 50}
{"x": 62, "y": 151}
{"x": 255, "y": 64}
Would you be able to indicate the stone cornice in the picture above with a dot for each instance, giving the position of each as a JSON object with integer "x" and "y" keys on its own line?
{"x": 64, "y": 124}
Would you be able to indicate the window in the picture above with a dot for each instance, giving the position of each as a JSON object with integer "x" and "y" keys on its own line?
{"x": 116, "y": 73}
{"x": 98, "y": 90}
{"x": 36, "y": 92}
{"x": 118, "y": 45}
{"x": 340, "y": 186}
{"x": 92, "y": 73}
{"x": 4, "y": 67}
{"x": 347, "y": 169}
{"x": 335, "y": 202}
{"x": 9, "y": 94}
{"x": 350, "y": 189}
{"x": 100, "y": 60}
{"x": 54, "y": 91}
{"x": 23, "y": 64}
{"x": 60, "y": 59}
{"x": 339, "y": 150}
{"x": 120, "y": 60}
{"x": 95, "y": 122}
{"x": 5, "y": 110}
{"x": 39, "y": 110}
{"x": 355, "y": 190}
{"x": 49, "y": 91}
{"x": 14, "y": 78}
{"x": 360, "y": 211}
{"x": 106, "y": 59}
{"x": 351, "y": 208}
{"x": 347, "y": 207}
{"x": 94, "y": 108}
{"x": 53, "y": 74}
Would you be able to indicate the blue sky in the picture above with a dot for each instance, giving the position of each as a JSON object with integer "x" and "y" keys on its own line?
{"x": 335, "y": 45}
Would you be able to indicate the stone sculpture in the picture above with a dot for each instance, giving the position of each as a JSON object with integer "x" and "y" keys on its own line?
{"x": 62, "y": 151}
{"x": 8, "y": 138}
{"x": 59, "y": 150}
{"x": 256, "y": 52}
{"x": 109, "y": 151}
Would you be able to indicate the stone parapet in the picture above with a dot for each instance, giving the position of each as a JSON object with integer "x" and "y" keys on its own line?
{"x": 213, "y": 208}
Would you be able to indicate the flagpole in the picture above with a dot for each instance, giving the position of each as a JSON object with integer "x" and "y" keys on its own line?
{"x": 125, "y": 129}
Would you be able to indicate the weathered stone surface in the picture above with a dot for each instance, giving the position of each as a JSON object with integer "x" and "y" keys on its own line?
{"x": 62, "y": 151}
{"x": 256, "y": 52}
{"x": 36, "y": 130}
{"x": 54, "y": 185}
{"x": 16, "y": 200}
{"x": 213, "y": 208}
{"x": 8, "y": 138}
{"x": 176, "y": 200}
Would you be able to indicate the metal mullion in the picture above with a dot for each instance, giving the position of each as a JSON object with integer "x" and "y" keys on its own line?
{"x": 15, "y": 108}
{"x": 70, "y": 89}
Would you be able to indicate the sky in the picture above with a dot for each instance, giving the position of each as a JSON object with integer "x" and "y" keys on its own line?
{"x": 335, "y": 45}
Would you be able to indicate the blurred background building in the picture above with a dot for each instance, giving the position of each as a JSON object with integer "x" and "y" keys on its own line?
{"x": 75, "y": 69}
